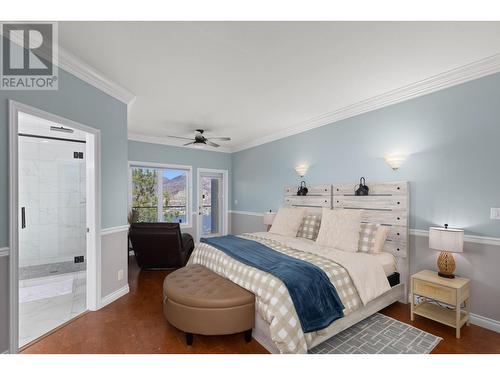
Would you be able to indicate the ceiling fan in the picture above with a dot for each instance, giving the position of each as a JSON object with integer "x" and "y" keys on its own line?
{"x": 200, "y": 140}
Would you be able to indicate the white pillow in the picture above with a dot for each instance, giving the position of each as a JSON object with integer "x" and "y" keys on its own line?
{"x": 287, "y": 221}
{"x": 340, "y": 229}
{"x": 380, "y": 237}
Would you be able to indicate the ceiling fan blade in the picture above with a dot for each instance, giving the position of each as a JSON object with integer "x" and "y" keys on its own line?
{"x": 220, "y": 138}
{"x": 212, "y": 144}
{"x": 189, "y": 143}
{"x": 174, "y": 136}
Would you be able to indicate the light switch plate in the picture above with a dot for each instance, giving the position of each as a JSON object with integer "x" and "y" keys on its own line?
{"x": 495, "y": 213}
{"x": 120, "y": 275}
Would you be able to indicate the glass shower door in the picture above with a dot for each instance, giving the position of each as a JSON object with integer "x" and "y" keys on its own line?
{"x": 52, "y": 234}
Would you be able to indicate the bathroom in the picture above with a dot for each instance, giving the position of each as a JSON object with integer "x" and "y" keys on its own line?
{"x": 52, "y": 228}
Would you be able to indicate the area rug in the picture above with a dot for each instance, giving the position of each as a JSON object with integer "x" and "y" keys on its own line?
{"x": 379, "y": 334}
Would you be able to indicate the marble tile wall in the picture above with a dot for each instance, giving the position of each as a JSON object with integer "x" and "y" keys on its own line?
{"x": 52, "y": 188}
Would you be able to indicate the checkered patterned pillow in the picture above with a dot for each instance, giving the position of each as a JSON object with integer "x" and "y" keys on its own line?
{"x": 367, "y": 234}
{"x": 310, "y": 227}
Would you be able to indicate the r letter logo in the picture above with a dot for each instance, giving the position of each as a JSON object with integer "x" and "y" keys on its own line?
{"x": 29, "y": 56}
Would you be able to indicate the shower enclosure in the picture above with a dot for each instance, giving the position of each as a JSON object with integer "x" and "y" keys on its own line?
{"x": 52, "y": 228}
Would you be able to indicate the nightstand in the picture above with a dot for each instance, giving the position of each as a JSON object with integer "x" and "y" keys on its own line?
{"x": 452, "y": 292}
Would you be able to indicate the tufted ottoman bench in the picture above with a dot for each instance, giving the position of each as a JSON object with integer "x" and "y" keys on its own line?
{"x": 198, "y": 301}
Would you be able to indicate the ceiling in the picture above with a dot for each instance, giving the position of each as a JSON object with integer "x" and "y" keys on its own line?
{"x": 249, "y": 80}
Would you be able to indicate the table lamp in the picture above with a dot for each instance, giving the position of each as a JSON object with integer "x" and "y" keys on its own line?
{"x": 448, "y": 241}
{"x": 269, "y": 218}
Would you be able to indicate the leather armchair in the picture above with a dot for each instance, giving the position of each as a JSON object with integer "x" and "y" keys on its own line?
{"x": 160, "y": 245}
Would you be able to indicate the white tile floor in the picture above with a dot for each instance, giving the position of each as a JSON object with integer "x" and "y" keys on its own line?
{"x": 48, "y": 302}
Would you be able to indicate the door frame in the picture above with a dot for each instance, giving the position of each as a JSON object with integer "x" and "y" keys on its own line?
{"x": 225, "y": 200}
{"x": 93, "y": 191}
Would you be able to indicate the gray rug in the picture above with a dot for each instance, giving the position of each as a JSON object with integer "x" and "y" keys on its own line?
{"x": 379, "y": 334}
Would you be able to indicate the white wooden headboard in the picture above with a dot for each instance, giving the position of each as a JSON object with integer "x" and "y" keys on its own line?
{"x": 387, "y": 204}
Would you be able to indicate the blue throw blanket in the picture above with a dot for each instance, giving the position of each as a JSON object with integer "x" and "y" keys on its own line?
{"x": 314, "y": 297}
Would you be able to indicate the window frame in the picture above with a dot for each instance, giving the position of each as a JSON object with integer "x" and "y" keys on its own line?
{"x": 189, "y": 183}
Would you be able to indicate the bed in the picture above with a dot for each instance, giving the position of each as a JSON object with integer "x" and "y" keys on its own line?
{"x": 361, "y": 280}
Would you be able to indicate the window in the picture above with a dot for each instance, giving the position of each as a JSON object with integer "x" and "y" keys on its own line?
{"x": 160, "y": 194}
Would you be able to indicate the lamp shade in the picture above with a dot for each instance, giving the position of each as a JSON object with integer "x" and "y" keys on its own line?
{"x": 395, "y": 160}
{"x": 301, "y": 169}
{"x": 445, "y": 239}
{"x": 269, "y": 218}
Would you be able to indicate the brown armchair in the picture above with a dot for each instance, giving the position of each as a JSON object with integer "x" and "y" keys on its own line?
{"x": 160, "y": 245}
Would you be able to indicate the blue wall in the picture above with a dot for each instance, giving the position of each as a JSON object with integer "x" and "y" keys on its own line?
{"x": 156, "y": 153}
{"x": 452, "y": 139}
{"x": 81, "y": 102}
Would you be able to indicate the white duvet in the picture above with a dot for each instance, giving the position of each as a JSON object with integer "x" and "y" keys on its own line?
{"x": 367, "y": 274}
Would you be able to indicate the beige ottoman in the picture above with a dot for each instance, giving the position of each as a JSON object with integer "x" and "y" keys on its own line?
{"x": 198, "y": 301}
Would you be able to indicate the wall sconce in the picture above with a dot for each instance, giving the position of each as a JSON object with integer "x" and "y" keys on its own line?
{"x": 395, "y": 160}
{"x": 301, "y": 170}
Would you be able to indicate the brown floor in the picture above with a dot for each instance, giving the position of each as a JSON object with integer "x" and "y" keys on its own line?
{"x": 473, "y": 339}
{"x": 135, "y": 324}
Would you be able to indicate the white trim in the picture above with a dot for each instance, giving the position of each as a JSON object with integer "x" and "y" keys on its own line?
{"x": 168, "y": 142}
{"x": 468, "y": 72}
{"x": 13, "y": 229}
{"x": 481, "y": 68}
{"x": 495, "y": 241}
{"x": 250, "y": 213}
{"x": 80, "y": 69}
{"x": 419, "y": 232}
{"x": 75, "y": 66}
{"x": 4, "y": 252}
{"x": 189, "y": 168}
{"x": 106, "y": 300}
{"x": 225, "y": 202}
{"x": 482, "y": 321}
{"x": 93, "y": 252}
{"x": 111, "y": 230}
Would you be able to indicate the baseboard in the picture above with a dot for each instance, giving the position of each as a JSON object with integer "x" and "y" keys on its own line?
{"x": 114, "y": 296}
{"x": 482, "y": 321}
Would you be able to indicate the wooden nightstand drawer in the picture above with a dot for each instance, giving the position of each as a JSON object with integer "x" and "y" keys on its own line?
{"x": 437, "y": 292}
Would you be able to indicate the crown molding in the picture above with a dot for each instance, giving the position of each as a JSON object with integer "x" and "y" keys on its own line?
{"x": 462, "y": 74}
{"x": 80, "y": 69}
{"x": 167, "y": 142}
{"x": 75, "y": 66}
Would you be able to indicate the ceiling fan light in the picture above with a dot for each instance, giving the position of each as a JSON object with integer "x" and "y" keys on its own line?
{"x": 199, "y": 145}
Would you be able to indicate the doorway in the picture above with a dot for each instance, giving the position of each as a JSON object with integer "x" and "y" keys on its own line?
{"x": 212, "y": 203}
{"x": 53, "y": 223}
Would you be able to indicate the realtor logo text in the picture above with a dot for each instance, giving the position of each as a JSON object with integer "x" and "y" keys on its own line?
{"x": 29, "y": 56}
